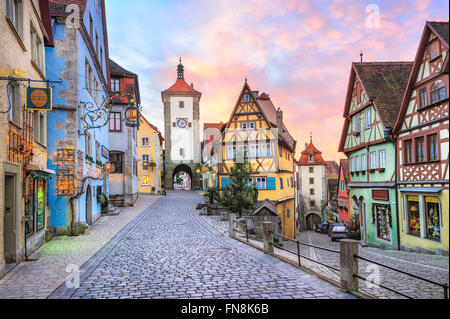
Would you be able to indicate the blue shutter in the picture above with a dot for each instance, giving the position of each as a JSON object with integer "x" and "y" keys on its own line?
{"x": 225, "y": 182}
{"x": 271, "y": 183}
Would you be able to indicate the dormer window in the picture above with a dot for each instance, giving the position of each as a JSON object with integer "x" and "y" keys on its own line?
{"x": 438, "y": 91}
{"x": 434, "y": 50}
{"x": 246, "y": 98}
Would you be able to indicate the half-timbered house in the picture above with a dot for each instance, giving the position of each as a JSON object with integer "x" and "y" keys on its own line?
{"x": 423, "y": 146}
{"x": 343, "y": 191}
{"x": 373, "y": 100}
{"x": 256, "y": 131}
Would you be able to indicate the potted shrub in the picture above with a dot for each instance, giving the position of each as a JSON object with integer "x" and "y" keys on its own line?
{"x": 104, "y": 202}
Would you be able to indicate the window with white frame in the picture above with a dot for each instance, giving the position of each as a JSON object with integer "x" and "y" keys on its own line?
{"x": 368, "y": 119}
{"x": 266, "y": 150}
{"x": 357, "y": 163}
{"x": 88, "y": 77}
{"x": 382, "y": 159}
{"x": 145, "y": 141}
{"x": 39, "y": 127}
{"x": 246, "y": 98}
{"x": 244, "y": 125}
{"x": 261, "y": 182}
{"x": 37, "y": 50}
{"x": 363, "y": 162}
{"x": 14, "y": 12}
{"x": 252, "y": 125}
{"x": 145, "y": 160}
{"x": 254, "y": 150}
{"x": 14, "y": 102}
{"x": 115, "y": 85}
{"x": 373, "y": 160}
{"x": 352, "y": 160}
{"x": 231, "y": 152}
{"x": 357, "y": 123}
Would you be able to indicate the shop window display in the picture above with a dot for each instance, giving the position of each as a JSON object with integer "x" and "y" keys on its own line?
{"x": 433, "y": 228}
{"x": 383, "y": 221}
{"x": 413, "y": 215}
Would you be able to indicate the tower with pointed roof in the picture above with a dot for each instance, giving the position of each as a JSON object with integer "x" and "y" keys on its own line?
{"x": 312, "y": 185}
{"x": 182, "y": 130}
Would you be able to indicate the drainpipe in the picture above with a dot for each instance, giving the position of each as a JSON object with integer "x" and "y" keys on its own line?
{"x": 388, "y": 136}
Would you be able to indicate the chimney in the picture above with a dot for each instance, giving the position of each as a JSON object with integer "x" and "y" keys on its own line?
{"x": 192, "y": 85}
{"x": 280, "y": 122}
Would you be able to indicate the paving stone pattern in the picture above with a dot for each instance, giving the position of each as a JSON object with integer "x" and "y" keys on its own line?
{"x": 171, "y": 252}
{"x": 38, "y": 279}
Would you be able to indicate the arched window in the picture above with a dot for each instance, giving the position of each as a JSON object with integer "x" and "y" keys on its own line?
{"x": 438, "y": 92}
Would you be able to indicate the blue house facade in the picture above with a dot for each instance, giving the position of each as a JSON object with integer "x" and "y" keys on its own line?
{"x": 78, "y": 140}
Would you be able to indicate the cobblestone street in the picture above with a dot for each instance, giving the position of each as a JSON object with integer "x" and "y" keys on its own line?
{"x": 170, "y": 252}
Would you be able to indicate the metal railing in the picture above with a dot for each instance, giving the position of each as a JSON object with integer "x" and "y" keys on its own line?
{"x": 444, "y": 286}
{"x": 348, "y": 262}
{"x": 299, "y": 255}
{"x": 247, "y": 235}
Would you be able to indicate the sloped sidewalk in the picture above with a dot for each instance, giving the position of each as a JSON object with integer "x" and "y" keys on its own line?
{"x": 38, "y": 279}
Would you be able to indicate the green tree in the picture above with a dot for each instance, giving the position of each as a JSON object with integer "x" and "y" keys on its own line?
{"x": 241, "y": 193}
{"x": 354, "y": 228}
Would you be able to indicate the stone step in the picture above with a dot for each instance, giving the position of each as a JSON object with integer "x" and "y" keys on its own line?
{"x": 113, "y": 211}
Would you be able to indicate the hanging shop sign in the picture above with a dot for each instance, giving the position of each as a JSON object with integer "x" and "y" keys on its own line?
{"x": 132, "y": 116}
{"x": 105, "y": 152}
{"x": 380, "y": 194}
{"x": 39, "y": 99}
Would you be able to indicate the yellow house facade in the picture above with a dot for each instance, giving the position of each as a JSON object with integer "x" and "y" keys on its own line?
{"x": 256, "y": 132}
{"x": 150, "y": 153}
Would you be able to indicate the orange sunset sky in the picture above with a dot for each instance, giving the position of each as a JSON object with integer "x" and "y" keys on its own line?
{"x": 299, "y": 52}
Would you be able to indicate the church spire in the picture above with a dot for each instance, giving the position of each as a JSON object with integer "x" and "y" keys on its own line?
{"x": 180, "y": 71}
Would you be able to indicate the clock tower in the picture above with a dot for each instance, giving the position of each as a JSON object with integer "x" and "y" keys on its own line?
{"x": 182, "y": 130}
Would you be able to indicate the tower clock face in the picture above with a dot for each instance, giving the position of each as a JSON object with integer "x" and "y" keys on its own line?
{"x": 182, "y": 123}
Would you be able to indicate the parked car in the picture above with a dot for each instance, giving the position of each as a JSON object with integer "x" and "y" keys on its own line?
{"x": 317, "y": 228}
{"x": 324, "y": 228}
{"x": 338, "y": 232}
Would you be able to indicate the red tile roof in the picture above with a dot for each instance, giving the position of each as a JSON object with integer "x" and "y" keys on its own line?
{"x": 311, "y": 150}
{"x": 218, "y": 126}
{"x": 385, "y": 82}
{"x": 181, "y": 86}
{"x": 270, "y": 112}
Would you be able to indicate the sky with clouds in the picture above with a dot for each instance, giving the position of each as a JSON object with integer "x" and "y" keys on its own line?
{"x": 299, "y": 52}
